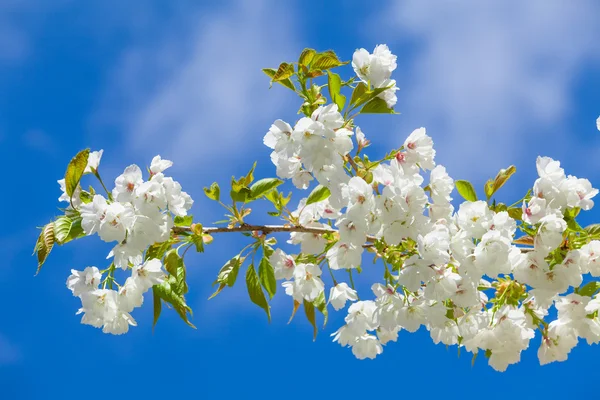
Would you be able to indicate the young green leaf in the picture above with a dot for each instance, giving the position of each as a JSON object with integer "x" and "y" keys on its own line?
{"x": 326, "y": 60}
{"x": 309, "y": 310}
{"x": 266, "y": 274}
{"x": 270, "y": 72}
{"x": 157, "y": 307}
{"x": 176, "y": 268}
{"x": 184, "y": 221}
{"x": 255, "y": 291}
{"x": 306, "y": 57}
{"x": 335, "y": 85}
{"x": 296, "y": 306}
{"x": 75, "y": 172}
{"x": 262, "y": 187}
{"x": 44, "y": 244}
{"x": 321, "y": 305}
{"x": 593, "y": 229}
{"x": 228, "y": 274}
{"x": 466, "y": 190}
{"x": 166, "y": 293}
{"x": 376, "y": 106}
{"x": 158, "y": 250}
{"x": 284, "y": 71}
{"x": 358, "y": 95}
{"x": 62, "y": 228}
{"x": 213, "y": 192}
{"x": 503, "y": 175}
{"x": 319, "y": 193}
{"x": 589, "y": 289}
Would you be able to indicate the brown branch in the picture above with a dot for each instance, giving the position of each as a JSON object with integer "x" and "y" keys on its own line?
{"x": 266, "y": 229}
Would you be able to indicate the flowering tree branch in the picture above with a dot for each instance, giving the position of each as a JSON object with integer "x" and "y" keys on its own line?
{"x": 265, "y": 229}
{"x": 481, "y": 275}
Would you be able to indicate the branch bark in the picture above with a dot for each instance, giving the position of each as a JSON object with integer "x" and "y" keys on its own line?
{"x": 266, "y": 229}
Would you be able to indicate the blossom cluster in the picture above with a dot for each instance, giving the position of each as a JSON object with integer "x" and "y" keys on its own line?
{"x": 451, "y": 260}
{"x": 136, "y": 215}
{"x": 479, "y": 275}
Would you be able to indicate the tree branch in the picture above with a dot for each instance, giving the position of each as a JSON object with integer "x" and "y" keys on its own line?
{"x": 266, "y": 229}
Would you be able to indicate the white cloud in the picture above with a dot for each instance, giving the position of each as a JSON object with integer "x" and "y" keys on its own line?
{"x": 491, "y": 78}
{"x": 199, "y": 88}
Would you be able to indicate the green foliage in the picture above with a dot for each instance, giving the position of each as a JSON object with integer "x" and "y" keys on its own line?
{"x": 239, "y": 187}
{"x": 326, "y": 60}
{"x": 263, "y": 186}
{"x": 284, "y": 71}
{"x": 278, "y": 200}
{"x": 75, "y": 172}
{"x": 44, "y": 245}
{"x": 157, "y": 307}
{"x": 158, "y": 250}
{"x": 319, "y": 193}
{"x": 593, "y": 230}
{"x": 335, "y": 85}
{"x": 213, "y": 192}
{"x": 306, "y": 57}
{"x": 184, "y": 221}
{"x": 255, "y": 291}
{"x": 321, "y": 305}
{"x": 270, "y": 72}
{"x": 167, "y": 293}
{"x": 309, "y": 310}
{"x": 228, "y": 274}
{"x": 376, "y": 106}
{"x": 67, "y": 229}
{"x": 492, "y": 186}
{"x": 266, "y": 273}
{"x": 173, "y": 289}
{"x": 466, "y": 190}
{"x": 589, "y": 289}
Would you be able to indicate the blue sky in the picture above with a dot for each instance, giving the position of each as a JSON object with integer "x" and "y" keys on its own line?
{"x": 495, "y": 83}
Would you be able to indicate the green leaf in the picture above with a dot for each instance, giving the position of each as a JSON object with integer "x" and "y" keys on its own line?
{"x": 228, "y": 274}
{"x": 309, "y": 310}
{"x": 503, "y": 175}
{"x": 175, "y": 266}
{"x": 466, "y": 190}
{"x": 255, "y": 291}
{"x": 266, "y": 274}
{"x": 184, "y": 221}
{"x": 67, "y": 229}
{"x": 157, "y": 250}
{"x": 589, "y": 289}
{"x": 270, "y": 72}
{"x": 321, "y": 305}
{"x": 44, "y": 245}
{"x": 263, "y": 186}
{"x": 489, "y": 188}
{"x": 326, "y": 60}
{"x": 198, "y": 241}
{"x": 335, "y": 85}
{"x": 75, "y": 172}
{"x": 516, "y": 213}
{"x": 213, "y": 192}
{"x": 358, "y": 95}
{"x": 166, "y": 293}
{"x": 376, "y": 106}
{"x": 593, "y": 229}
{"x": 319, "y": 193}
{"x": 157, "y": 307}
{"x": 294, "y": 309}
{"x": 62, "y": 228}
{"x": 306, "y": 57}
{"x": 284, "y": 71}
